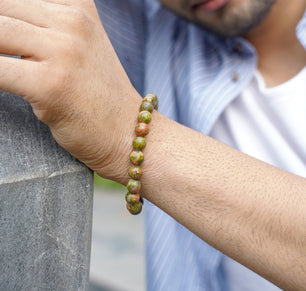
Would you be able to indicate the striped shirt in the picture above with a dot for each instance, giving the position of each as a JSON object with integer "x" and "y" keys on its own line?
{"x": 196, "y": 75}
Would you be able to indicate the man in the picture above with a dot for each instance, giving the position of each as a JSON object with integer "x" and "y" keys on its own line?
{"x": 249, "y": 210}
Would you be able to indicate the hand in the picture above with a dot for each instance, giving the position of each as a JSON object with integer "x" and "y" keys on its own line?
{"x": 71, "y": 76}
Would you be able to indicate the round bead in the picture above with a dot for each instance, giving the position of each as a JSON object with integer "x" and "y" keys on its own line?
{"x": 153, "y": 99}
{"x": 139, "y": 143}
{"x": 144, "y": 116}
{"x": 142, "y": 129}
{"x": 146, "y": 106}
{"x": 135, "y": 172}
{"x": 136, "y": 157}
{"x": 132, "y": 198}
{"x": 134, "y": 208}
{"x": 133, "y": 186}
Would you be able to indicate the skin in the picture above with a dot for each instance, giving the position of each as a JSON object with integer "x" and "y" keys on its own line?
{"x": 268, "y": 24}
{"x": 280, "y": 54}
{"x": 235, "y": 18}
{"x": 249, "y": 210}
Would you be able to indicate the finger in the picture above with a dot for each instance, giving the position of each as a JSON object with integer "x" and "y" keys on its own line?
{"x": 47, "y": 14}
{"x": 86, "y": 5}
{"x": 23, "y": 39}
{"x": 56, "y": 14}
{"x": 76, "y": 3}
{"x": 38, "y": 13}
{"x": 19, "y": 76}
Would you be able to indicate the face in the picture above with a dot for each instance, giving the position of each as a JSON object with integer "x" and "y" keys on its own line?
{"x": 224, "y": 17}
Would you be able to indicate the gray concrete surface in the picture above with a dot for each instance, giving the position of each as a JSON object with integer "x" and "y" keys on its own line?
{"x": 45, "y": 206}
{"x": 117, "y": 257}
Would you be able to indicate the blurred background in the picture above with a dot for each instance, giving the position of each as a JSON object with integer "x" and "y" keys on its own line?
{"x": 118, "y": 253}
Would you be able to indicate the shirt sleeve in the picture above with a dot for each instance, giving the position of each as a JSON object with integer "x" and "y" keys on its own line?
{"x": 124, "y": 22}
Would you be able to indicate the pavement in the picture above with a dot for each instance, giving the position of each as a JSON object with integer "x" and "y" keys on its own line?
{"x": 118, "y": 250}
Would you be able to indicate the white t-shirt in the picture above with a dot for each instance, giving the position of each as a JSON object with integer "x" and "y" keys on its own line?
{"x": 268, "y": 124}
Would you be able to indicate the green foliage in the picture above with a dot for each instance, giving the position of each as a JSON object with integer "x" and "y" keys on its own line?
{"x": 105, "y": 183}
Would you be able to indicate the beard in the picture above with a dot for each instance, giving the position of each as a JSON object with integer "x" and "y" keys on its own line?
{"x": 235, "y": 18}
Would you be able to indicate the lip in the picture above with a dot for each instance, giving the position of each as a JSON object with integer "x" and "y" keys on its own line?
{"x": 208, "y": 5}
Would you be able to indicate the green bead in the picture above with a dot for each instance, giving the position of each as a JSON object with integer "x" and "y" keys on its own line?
{"x": 139, "y": 143}
{"x": 136, "y": 157}
{"x": 135, "y": 172}
{"x": 133, "y": 186}
{"x": 146, "y": 106}
{"x": 153, "y": 99}
{"x": 134, "y": 208}
{"x": 132, "y": 198}
{"x": 144, "y": 116}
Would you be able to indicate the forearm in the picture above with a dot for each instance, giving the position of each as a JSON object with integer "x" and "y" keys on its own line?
{"x": 249, "y": 210}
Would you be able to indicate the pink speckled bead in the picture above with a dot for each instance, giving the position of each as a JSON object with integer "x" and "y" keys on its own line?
{"x": 136, "y": 157}
{"x": 135, "y": 172}
{"x": 133, "y": 186}
{"x": 134, "y": 208}
{"x": 132, "y": 198}
{"x": 142, "y": 129}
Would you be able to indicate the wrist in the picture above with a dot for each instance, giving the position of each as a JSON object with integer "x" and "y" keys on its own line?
{"x": 112, "y": 161}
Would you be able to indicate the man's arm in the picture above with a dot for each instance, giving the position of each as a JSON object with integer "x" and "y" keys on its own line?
{"x": 251, "y": 211}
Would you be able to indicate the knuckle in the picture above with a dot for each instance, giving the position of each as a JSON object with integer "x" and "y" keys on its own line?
{"x": 77, "y": 14}
{"x": 79, "y": 19}
{"x": 82, "y": 24}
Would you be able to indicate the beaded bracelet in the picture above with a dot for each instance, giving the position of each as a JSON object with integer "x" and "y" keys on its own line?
{"x": 133, "y": 198}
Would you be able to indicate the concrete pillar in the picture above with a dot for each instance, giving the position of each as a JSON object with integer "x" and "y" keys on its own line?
{"x": 45, "y": 206}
